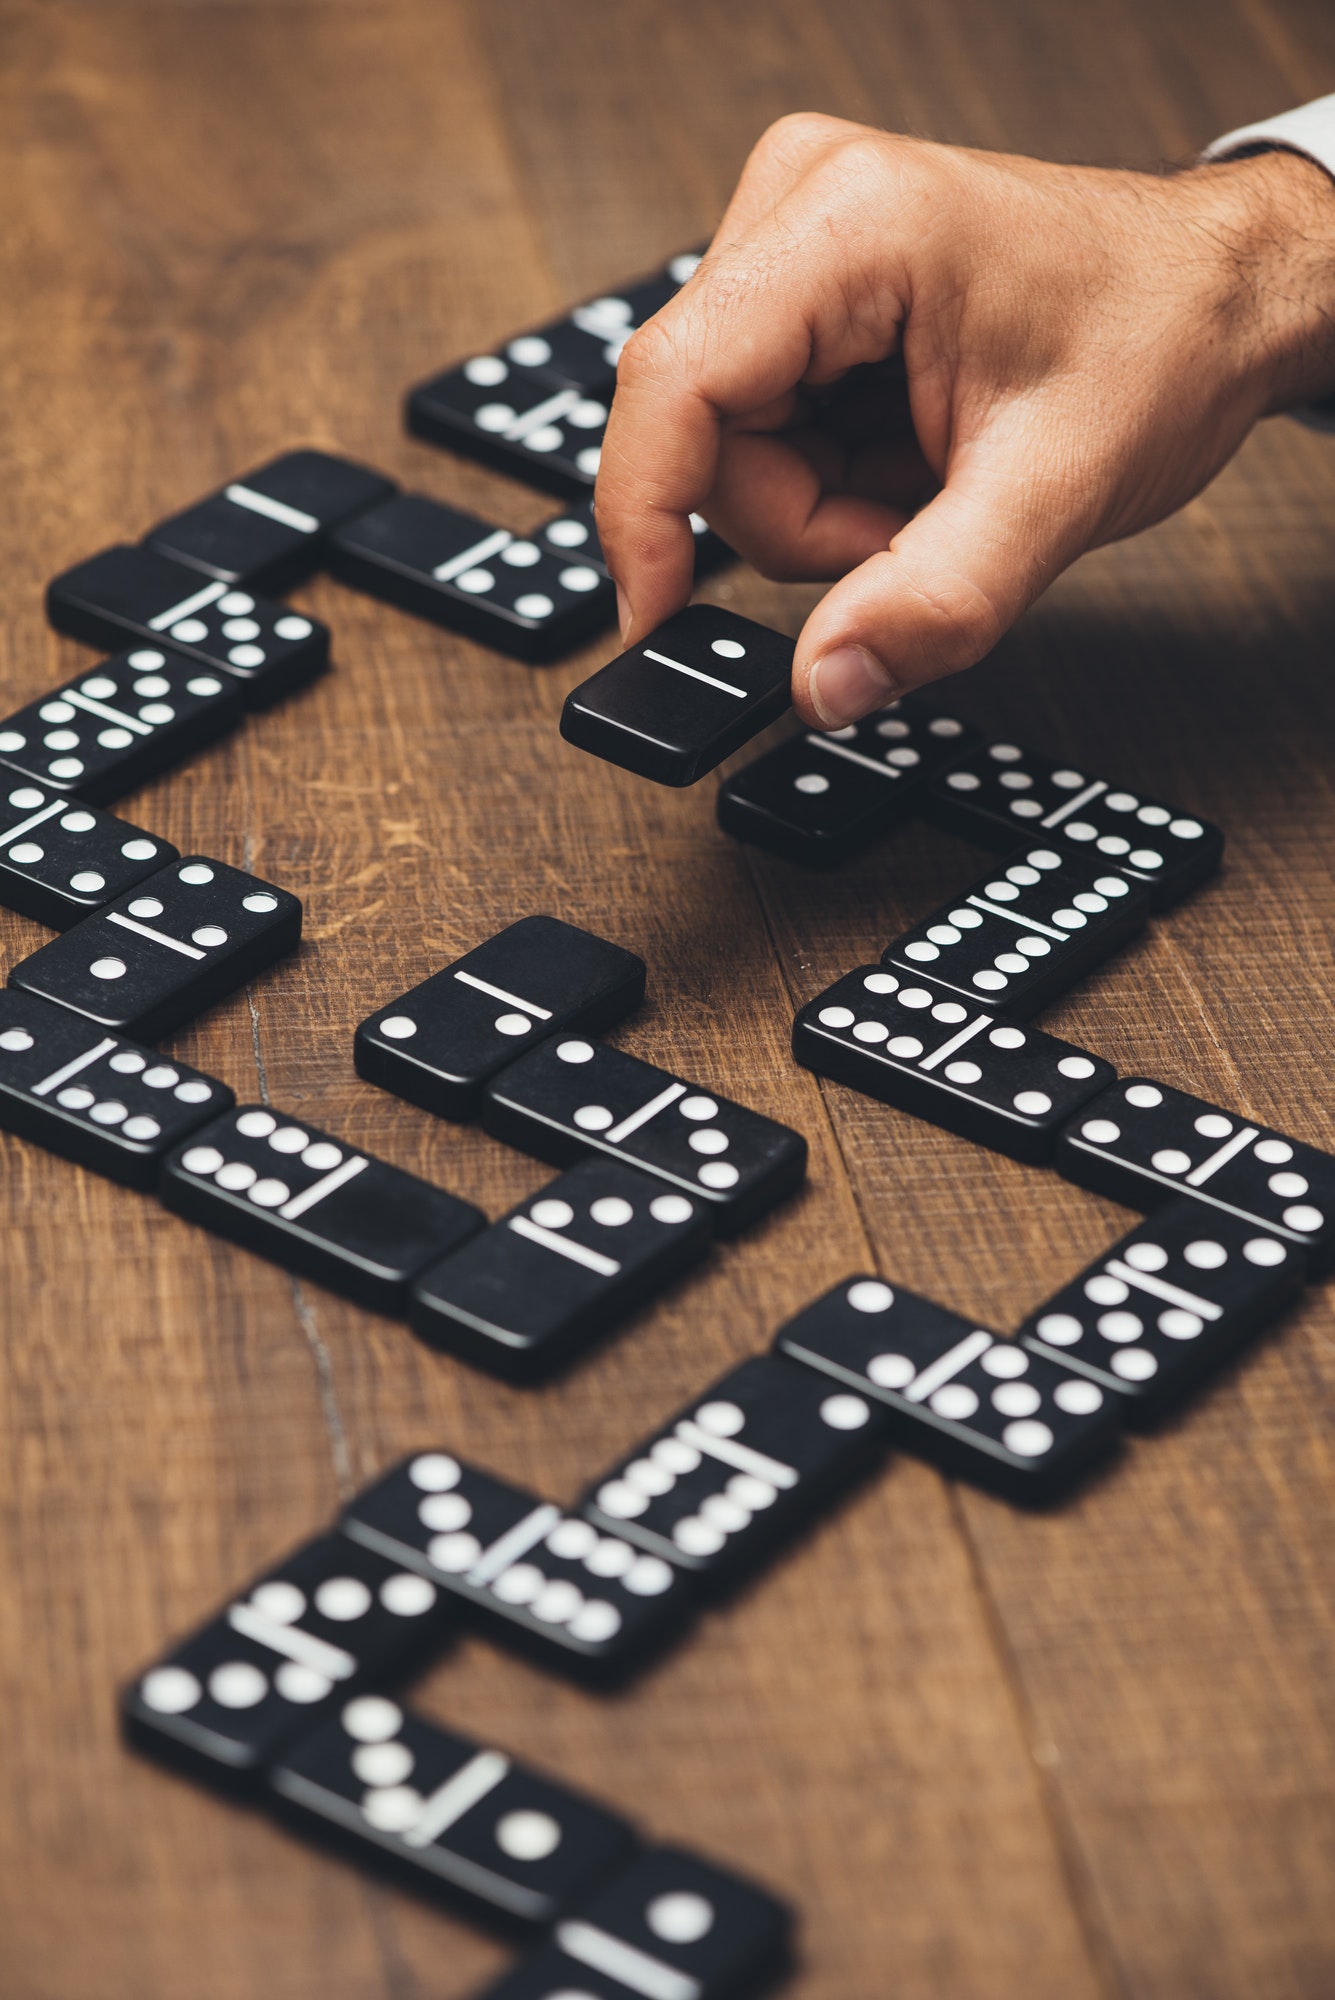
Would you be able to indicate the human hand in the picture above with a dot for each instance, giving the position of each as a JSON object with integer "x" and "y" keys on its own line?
{"x": 941, "y": 376}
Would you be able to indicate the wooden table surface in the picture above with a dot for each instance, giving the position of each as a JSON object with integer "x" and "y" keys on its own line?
{"x": 1087, "y": 1756}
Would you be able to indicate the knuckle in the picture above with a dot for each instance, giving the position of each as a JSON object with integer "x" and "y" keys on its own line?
{"x": 861, "y": 148}
{"x": 798, "y": 130}
{"x": 805, "y": 141}
{"x": 863, "y": 163}
{"x": 651, "y": 349}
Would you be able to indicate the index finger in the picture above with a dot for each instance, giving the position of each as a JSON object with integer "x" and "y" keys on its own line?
{"x": 660, "y": 452}
{"x": 659, "y": 455}
{"x": 789, "y": 299}
{"x": 730, "y": 346}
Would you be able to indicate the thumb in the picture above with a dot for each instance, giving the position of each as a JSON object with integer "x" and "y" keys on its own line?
{"x": 939, "y": 597}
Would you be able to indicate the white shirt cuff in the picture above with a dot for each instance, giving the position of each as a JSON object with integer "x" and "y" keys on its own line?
{"x": 1309, "y": 130}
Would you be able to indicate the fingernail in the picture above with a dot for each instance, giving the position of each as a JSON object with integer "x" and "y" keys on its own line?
{"x": 847, "y": 683}
{"x": 623, "y": 611}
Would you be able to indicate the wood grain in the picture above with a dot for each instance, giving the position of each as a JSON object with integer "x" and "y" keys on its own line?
{"x": 1083, "y": 1757}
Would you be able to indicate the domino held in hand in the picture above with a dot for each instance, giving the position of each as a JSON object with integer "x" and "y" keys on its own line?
{"x": 677, "y": 704}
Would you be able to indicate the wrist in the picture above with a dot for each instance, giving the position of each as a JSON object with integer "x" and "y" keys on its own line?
{"x": 1271, "y": 219}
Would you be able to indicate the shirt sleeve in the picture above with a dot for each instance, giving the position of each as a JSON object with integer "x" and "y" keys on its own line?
{"x": 1309, "y": 130}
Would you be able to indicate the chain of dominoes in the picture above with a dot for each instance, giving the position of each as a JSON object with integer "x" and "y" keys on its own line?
{"x": 291, "y": 1693}
{"x": 290, "y": 1698}
{"x": 1239, "y": 1215}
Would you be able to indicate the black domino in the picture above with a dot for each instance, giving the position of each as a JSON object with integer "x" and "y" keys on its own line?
{"x": 127, "y": 594}
{"x": 315, "y": 1205}
{"x": 980, "y": 1407}
{"x": 1027, "y": 933}
{"x": 570, "y": 1096}
{"x": 267, "y": 530}
{"x": 97, "y": 1099}
{"x": 560, "y": 1270}
{"x": 821, "y": 797}
{"x": 740, "y": 1470}
{"x": 672, "y": 1927}
{"x": 1144, "y": 1143}
{"x": 446, "y": 1816}
{"x": 508, "y": 591}
{"x": 543, "y": 1581}
{"x": 1002, "y": 793}
{"x": 914, "y": 1044}
{"x": 502, "y": 415}
{"x": 538, "y": 408}
{"x": 284, "y": 1653}
{"x": 574, "y": 536}
{"x": 439, "y": 1044}
{"x": 161, "y": 953}
{"x": 685, "y": 698}
{"x": 105, "y": 732}
{"x": 60, "y": 859}
{"x": 584, "y": 346}
{"x": 1167, "y": 1304}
